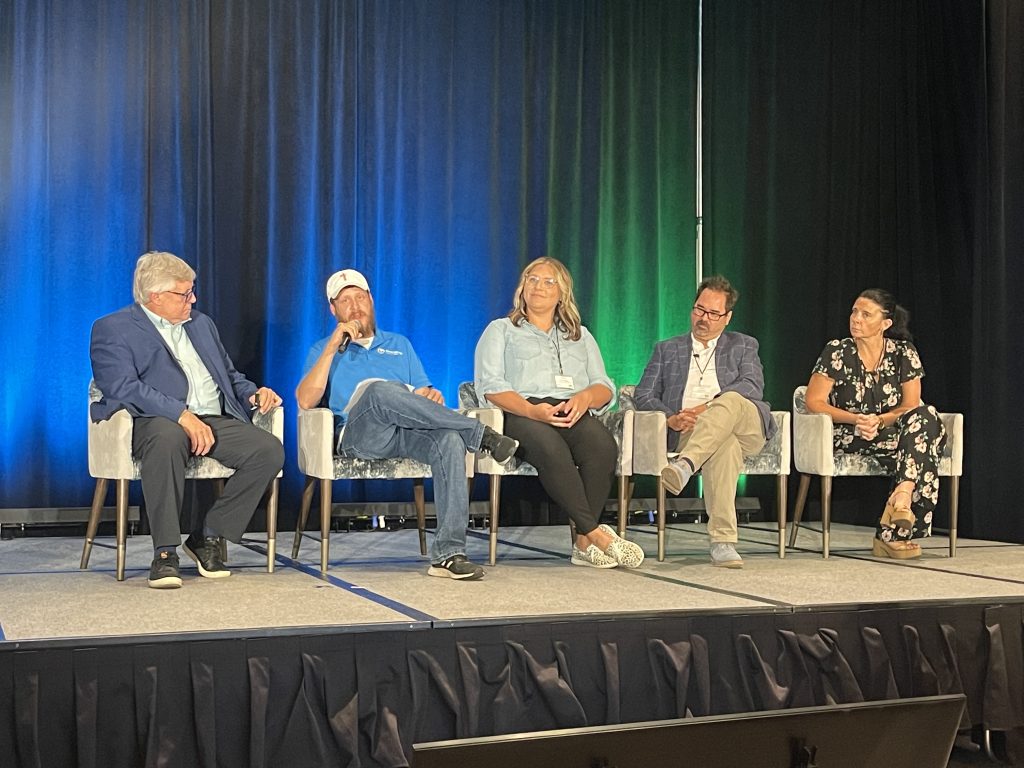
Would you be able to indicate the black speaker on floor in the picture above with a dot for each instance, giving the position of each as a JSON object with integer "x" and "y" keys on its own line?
{"x": 899, "y": 733}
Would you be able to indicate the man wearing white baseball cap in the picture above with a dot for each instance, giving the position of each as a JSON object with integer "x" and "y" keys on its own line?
{"x": 385, "y": 407}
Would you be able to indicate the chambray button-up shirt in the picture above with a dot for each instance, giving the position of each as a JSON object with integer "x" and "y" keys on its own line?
{"x": 526, "y": 360}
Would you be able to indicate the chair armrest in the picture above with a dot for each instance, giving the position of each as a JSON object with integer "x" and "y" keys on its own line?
{"x": 650, "y": 442}
{"x": 812, "y": 443}
{"x": 110, "y": 447}
{"x": 620, "y": 424}
{"x": 316, "y": 443}
{"x": 954, "y": 424}
{"x": 786, "y": 446}
{"x": 495, "y": 419}
{"x": 273, "y": 422}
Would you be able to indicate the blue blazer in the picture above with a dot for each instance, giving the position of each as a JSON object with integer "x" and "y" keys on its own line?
{"x": 135, "y": 369}
{"x": 736, "y": 363}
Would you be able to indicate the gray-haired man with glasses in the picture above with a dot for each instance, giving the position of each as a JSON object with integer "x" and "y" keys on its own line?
{"x": 163, "y": 362}
{"x": 710, "y": 384}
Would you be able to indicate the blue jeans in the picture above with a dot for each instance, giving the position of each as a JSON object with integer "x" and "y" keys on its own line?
{"x": 389, "y": 421}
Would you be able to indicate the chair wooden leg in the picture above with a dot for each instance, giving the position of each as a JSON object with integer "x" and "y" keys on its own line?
{"x": 325, "y": 523}
{"x": 122, "y": 525}
{"x": 421, "y": 512}
{"x": 495, "y": 502}
{"x": 218, "y": 484}
{"x": 954, "y": 508}
{"x": 307, "y": 501}
{"x": 623, "y": 503}
{"x": 798, "y": 511}
{"x": 272, "y": 524}
{"x": 780, "y": 503}
{"x": 661, "y": 520}
{"x": 98, "y": 496}
{"x": 826, "y": 513}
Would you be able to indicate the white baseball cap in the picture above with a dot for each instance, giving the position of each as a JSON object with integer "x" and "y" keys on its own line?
{"x": 339, "y": 281}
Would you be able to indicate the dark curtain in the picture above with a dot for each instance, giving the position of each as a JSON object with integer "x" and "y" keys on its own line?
{"x": 995, "y": 356}
{"x": 439, "y": 145}
{"x": 875, "y": 143}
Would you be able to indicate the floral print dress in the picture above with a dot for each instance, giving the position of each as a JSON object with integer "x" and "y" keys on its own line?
{"x": 910, "y": 448}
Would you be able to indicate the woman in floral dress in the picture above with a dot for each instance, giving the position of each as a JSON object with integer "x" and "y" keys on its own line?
{"x": 870, "y": 384}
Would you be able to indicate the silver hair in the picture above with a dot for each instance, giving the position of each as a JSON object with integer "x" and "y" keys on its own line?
{"x": 158, "y": 271}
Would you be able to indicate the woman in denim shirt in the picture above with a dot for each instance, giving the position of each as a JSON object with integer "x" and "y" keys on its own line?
{"x": 542, "y": 367}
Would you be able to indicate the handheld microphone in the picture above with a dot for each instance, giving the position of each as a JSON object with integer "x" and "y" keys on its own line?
{"x": 347, "y": 338}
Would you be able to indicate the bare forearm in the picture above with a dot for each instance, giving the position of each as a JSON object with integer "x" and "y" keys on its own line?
{"x": 311, "y": 389}
{"x": 511, "y": 402}
{"x": 597, "y": 395}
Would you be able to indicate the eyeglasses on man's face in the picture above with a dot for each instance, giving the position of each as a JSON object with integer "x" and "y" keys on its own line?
{"x": 699, "y": 311}
{"x": 186, "y": 297}
{"x": 548, "y": 282}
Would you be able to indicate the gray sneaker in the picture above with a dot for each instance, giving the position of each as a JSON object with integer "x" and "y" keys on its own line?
{"x": 724, "y": 555}
{"x": 676, "y": 475}
{"x": 592, "y": 557}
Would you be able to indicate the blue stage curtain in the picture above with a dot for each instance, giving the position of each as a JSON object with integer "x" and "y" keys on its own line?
{"x": 436, "y": 146}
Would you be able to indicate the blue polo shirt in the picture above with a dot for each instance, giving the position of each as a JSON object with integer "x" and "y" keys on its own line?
{"x": 390, "y": 356}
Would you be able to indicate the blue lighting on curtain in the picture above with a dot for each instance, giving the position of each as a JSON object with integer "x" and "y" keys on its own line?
{"x": 270, "y": 144}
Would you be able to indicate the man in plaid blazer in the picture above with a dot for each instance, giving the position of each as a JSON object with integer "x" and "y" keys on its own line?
{"x": 710, "y": 384}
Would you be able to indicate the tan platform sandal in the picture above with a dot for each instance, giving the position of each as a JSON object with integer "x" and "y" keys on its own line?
{"x": 897, "y": 550}
{"x": 899, "y": 515}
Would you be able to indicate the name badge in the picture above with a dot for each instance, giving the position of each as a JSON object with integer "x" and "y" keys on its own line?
{"x": 563, "y": 382}
{"x": 701, "y": 393}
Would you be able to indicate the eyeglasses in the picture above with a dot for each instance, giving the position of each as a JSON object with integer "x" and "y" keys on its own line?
{"x": 185, "y": 297}
{"x": 548, "y": 282}
{"x": 699, "y": 311}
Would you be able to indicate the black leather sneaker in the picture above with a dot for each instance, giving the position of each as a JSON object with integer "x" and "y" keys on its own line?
{"x": 501, "y": 447}
{"x": 206, "y": 553}
{"x": 457, "y": 567}
{"x": 164, "y": 573}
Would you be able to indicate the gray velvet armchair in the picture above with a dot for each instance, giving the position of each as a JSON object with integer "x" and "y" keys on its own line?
{"x": 322, "y": 466}
{"x": 814, "y": 456}
{"x": 619, "y": 423}
{"x": 650, "y": 457}
{"x": 110, "y": 458}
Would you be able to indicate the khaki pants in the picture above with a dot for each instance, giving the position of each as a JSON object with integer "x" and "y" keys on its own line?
{"x": 725, "y": 433}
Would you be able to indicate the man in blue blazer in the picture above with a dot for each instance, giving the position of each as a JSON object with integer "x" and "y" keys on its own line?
{"x": 710, "y": 384}
{"x": 164, "y": 363}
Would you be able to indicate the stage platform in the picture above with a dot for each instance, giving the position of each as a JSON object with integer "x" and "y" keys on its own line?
{"x": 353, "y": 666}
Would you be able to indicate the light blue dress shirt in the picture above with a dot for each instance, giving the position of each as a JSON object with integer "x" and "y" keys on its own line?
{"x": 527, "y": 360}
{"x": 203, "y": 392}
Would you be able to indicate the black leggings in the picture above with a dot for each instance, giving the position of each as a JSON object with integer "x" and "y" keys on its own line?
{"x": 575, "y": 464}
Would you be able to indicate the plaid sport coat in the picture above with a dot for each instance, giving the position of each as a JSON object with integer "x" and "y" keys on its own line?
{"x": 737, "y": 365}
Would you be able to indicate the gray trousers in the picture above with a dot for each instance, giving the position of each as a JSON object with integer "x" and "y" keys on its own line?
{"x": 162, "y": 449}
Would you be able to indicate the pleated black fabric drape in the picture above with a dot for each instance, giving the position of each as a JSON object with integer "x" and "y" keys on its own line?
{"x": 363, "y": 699}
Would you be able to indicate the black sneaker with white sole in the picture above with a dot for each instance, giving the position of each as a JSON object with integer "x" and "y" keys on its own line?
{"x": 501, "y": 447}
{"x": 165, "y": 573}
{"x": 206, "y": 553}
{"x": 456, "y": 567}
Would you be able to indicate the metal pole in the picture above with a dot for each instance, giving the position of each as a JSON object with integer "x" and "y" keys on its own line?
{"x": 699, "y": 256}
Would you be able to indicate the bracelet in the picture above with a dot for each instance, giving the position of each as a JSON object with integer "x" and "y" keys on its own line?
{"x": 881, "y": 422}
